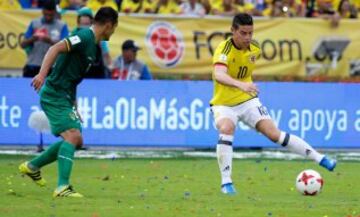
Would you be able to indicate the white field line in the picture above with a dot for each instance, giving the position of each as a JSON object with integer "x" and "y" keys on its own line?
{"x": 353, "y": 156}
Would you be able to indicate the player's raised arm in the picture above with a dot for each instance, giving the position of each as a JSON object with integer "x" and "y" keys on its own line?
{"x": 221, "y": 76}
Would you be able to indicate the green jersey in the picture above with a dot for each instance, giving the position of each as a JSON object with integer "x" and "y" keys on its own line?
{"x": 71, "y": 67}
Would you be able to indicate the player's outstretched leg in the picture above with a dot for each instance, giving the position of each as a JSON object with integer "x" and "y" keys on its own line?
{"x": 293, "y": 143}
{"x": 224, "y": 152}
{"x": 299, "y": 146}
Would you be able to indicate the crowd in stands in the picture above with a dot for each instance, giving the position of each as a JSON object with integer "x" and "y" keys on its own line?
{"x": 333, "y": 9}
{"x": 44, "y": 31}
{"x": 40, "y": 34}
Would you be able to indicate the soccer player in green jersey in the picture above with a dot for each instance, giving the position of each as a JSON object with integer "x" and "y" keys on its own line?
{"x": 70, "y": 59}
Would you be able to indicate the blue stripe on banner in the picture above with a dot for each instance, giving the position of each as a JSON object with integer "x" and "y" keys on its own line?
{"x": 176, "y": 113}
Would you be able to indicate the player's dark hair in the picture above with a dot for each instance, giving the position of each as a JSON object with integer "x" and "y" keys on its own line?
{"x": 242, "y": 19}
{"x": 106, "y": 14}
{"x": 49, "y": 5}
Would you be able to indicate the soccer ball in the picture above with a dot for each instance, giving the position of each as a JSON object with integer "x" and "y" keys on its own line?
{"x": 309, "y": 182}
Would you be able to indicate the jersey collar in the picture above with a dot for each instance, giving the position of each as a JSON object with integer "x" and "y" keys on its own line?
{"x": 233, "y": 43}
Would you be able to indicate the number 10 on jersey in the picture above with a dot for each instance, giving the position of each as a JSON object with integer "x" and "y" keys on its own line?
{"x": 242, "y": 72}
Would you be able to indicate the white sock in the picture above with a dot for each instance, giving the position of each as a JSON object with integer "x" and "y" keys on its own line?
{"x": 224, "y": 152}
{"x": 299, "y": 146}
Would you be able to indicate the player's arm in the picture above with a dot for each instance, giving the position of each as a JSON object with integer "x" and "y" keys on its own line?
{"x": 221, "y": 76}
{"x": 48, "y": 61}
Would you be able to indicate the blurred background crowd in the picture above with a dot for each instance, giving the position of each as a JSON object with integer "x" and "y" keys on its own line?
{"x": 126, "y": 66}
{"x": 333, "y": 9}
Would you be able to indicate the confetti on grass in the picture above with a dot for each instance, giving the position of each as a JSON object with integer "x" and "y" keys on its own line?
{"x": 187, "y": 194}
{"x": 106, "y": 178}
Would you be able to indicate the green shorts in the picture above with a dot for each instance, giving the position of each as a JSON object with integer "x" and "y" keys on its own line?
{"x": 60, "y": 111}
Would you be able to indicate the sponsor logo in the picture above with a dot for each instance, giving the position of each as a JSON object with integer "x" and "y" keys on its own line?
{"x": 252, "y": 59}
{"x": 165, "y": 44}
{"x": 227, "y": 168}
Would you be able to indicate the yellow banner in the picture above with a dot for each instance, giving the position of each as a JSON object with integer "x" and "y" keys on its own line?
{"x": 185, "y": 45}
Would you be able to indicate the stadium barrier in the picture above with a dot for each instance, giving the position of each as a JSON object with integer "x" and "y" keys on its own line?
{"x": 177, "y": 113}
{"x": 171, "y": 45}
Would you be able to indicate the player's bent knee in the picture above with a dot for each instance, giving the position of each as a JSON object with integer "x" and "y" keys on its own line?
{"x": 74, "y": 137}
{"x": 78, "y": 141}
{"x": 227, "y": 129}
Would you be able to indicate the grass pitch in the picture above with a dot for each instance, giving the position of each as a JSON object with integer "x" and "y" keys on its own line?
{"x": 185, "y": 187}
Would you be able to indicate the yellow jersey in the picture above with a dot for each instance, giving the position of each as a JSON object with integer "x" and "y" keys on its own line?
{"x": 240, "y": 65}
{"x": 170, "y": 8}
{"x": 10, "y": 5}
{"x": 128, "y": 6}
{"x": 356, "y": 3}
{"x": 95, "y": 5}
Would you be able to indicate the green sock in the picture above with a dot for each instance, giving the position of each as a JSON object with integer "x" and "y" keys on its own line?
{"x": 65, "y": 162}
{"x": 47, "y": 157}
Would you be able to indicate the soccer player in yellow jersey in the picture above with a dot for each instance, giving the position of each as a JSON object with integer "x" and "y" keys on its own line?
{"x": 236, "y": 99}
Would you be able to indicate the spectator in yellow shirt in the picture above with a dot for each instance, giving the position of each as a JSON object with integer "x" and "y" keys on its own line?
{"x": 346, "y": 10}
{"x": 137, "y": 6}
{"x": 148, "y": 6}
{"x": 167, "y": 7}
{"x": 227, "y": 8}
{"x": 356, "y": 3}
{"x": 95, "y": 5}
{"x": 326, "y": 9}
{"x": 72, "y": 4}
{"x": 131, "y": 6}
{"x": 249, "y": 7}
{"x": 9, "y": 5}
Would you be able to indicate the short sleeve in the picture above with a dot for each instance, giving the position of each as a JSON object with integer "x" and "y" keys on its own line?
{"x": 145, "y": 75}
{"x": 78, "y": 41}
{"x": 30, "y": 31}
{"x": 64, "y": 32}
{"x": 221, "y": 53}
